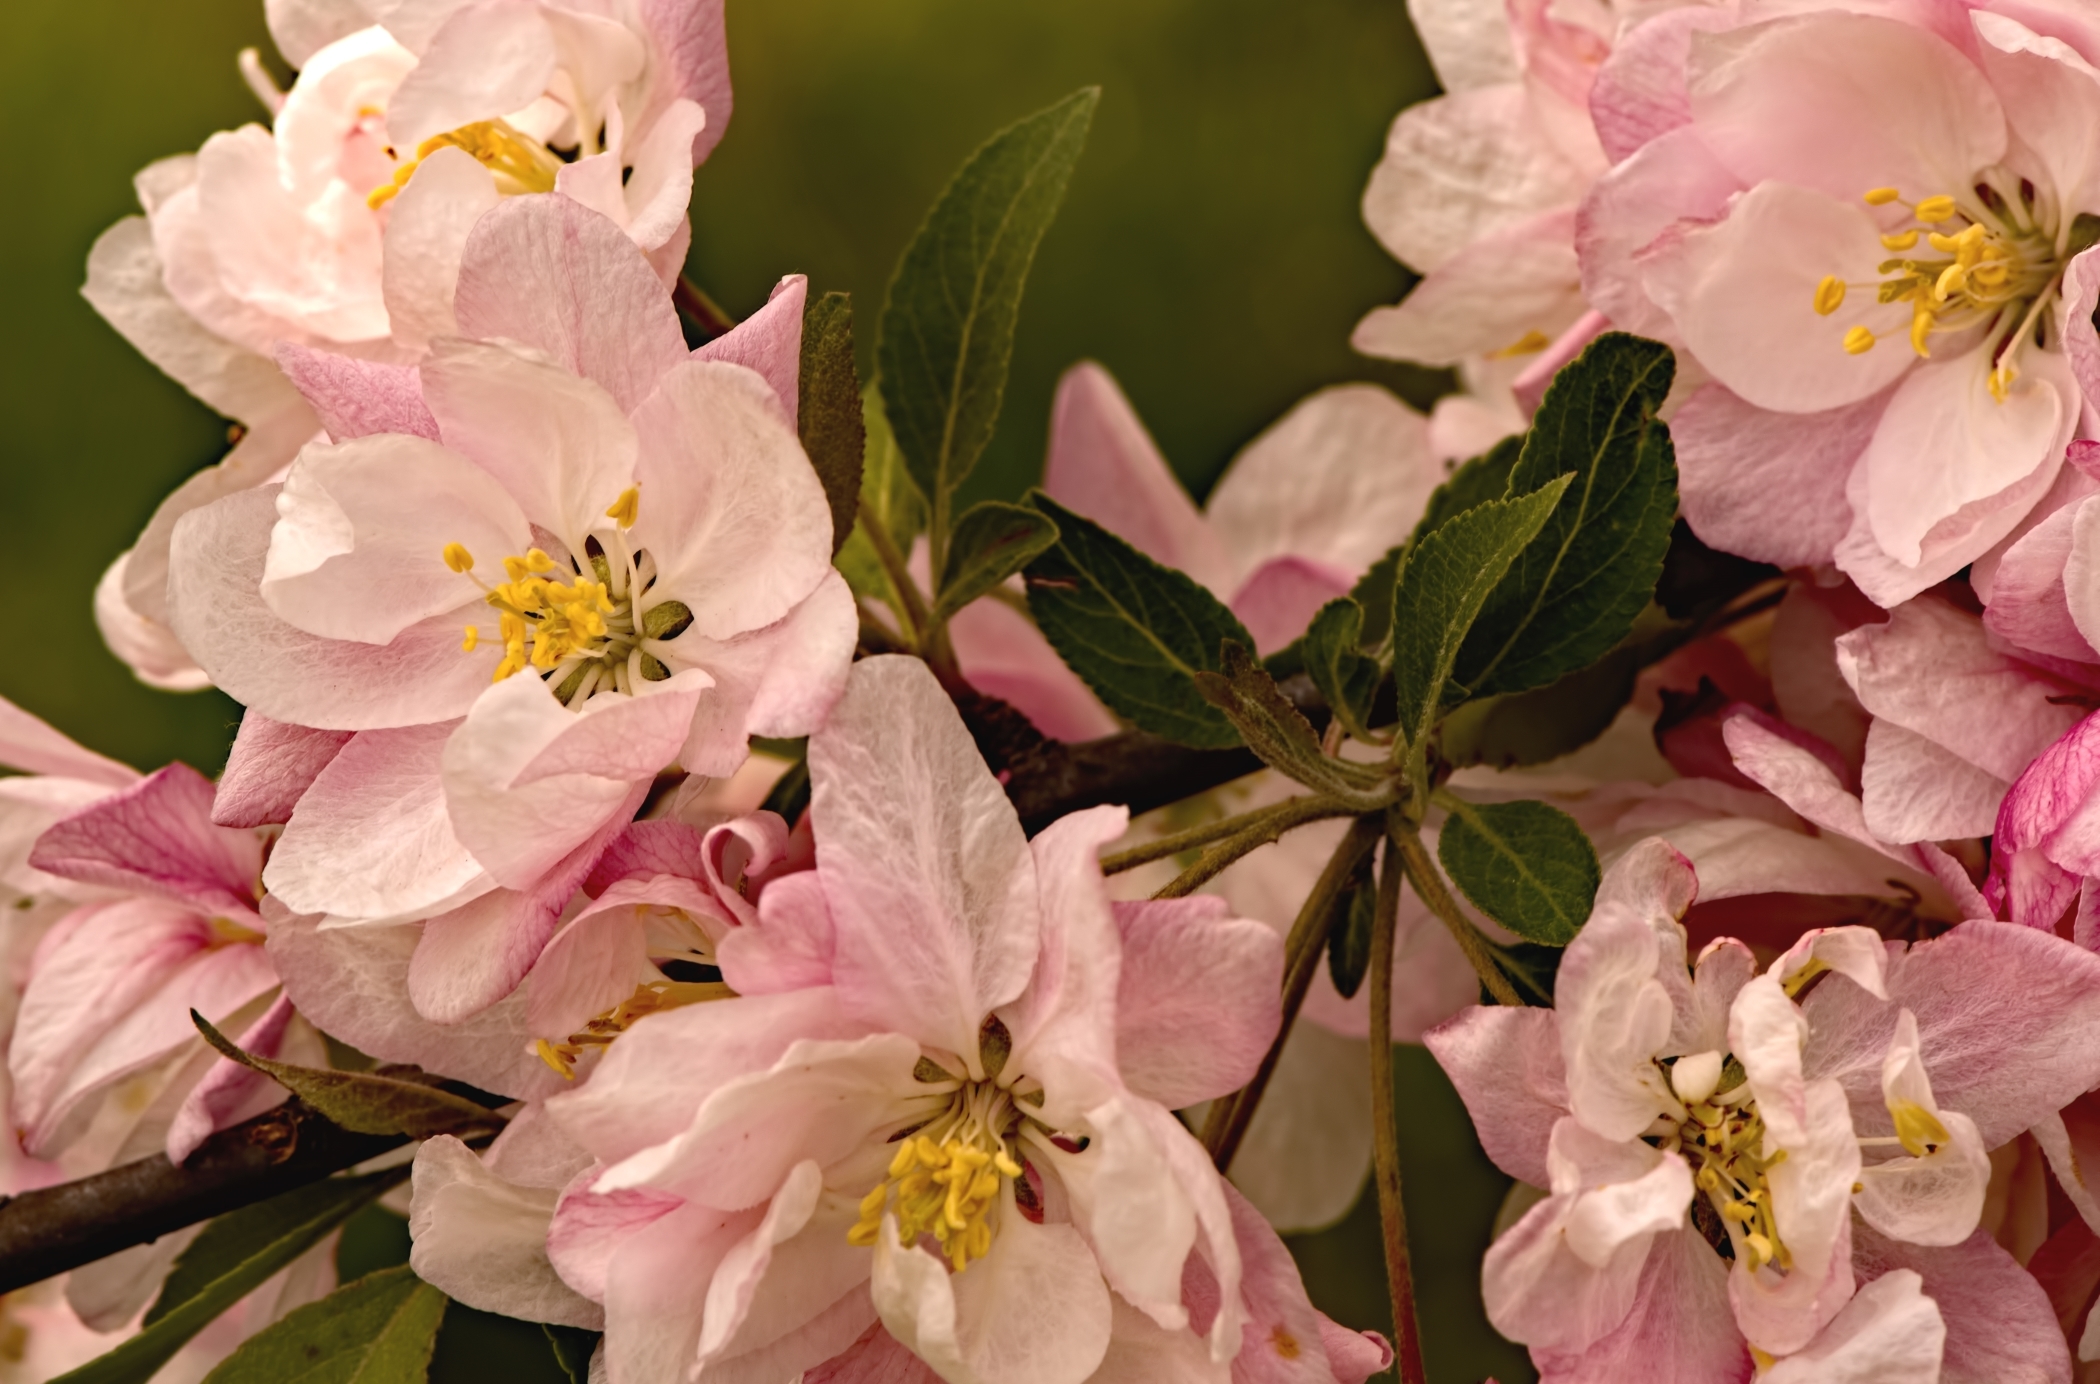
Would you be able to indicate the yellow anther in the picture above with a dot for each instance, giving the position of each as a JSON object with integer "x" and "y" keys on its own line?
{"x": 1902, "y": 240}
{"x": 1859, "y": 341}
{"x": 2001, "y": 379}
{"x": 1529, "y": 344}
{"x": 1949, "y": 282}
{"x": 1921, "y": 330}
{"x": 1830, "y": 295}
{"x": 625, "y": 508}
{"x": 471, "y": 642}
{"x": 873, "y": 1202}
{"x": 552, "y": 1056}
{"x": 458, "y": 558}
{"x": 1945, "y": 244}
{"x": 1881, "y": 196}
{"x": 1934, "y": 210}
{"x": 1918, "y": 1128}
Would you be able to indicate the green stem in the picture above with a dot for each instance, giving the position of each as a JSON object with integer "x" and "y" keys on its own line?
{"x": 1230, "y": 1116}
{"x": 1385, "y": 1145}
{"x": 1291, "y": 812}
{"x": 1429, "y": 888}
{"x": 1243, "y": 842}
{"x": 910, "y": 605}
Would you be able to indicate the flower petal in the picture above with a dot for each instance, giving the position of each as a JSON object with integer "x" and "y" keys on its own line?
{"x": 269, "y": 767}
{"x": 482, "y": 1240}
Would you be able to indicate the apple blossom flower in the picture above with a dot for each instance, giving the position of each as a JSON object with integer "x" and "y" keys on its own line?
{"x": 555, "y": 560}
{"x": 1863, "y": 226}
{"x": 1741, "y": 1161}
{"x": 341, "y": 226}
{"x": 960, "y": 1128}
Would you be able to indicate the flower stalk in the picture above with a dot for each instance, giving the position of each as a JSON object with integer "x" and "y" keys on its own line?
{"x": 1385, "y": 1145}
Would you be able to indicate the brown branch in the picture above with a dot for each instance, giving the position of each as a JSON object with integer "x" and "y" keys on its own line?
{"x": 1385, "y": 1129}
{"x": 692, "y": 300}
{"x": 47, "y": 1232}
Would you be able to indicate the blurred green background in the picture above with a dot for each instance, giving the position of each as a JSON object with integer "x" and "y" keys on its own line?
{"x": 1211, "y": 255}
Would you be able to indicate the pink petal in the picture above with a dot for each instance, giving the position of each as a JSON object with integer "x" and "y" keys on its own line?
{"x": 567, "y": 281}
{"x": 911, "y": 825}
{"x": 1281, "y": 597}
{"x": 270, "y": 765}
{"x": 484, "y": 61}
{"x": 33, "y": 747}
{"x": 1506, "y": 1064}
{"x": 2029, "y": 606}
{"x": 357, "y": 398}
{"x": 1639, "y": 93}
{"x": 1104, "y": 465}
{"x": 1646, "y": 205}
{"x": 652, "y": 1317}
{"x": 791, "y": 945}
{"x": 1889, "y": 1329}
{"x": 1066, "y": 1018}
{"x": 427, "y": 227}
{"x": 1913, "y": 789}
{"x": 770, "y": 342}
{"x": 590, "y": 1227}
{"x": 482, "y": 1240}
{"x": 1680, "y": 1321}
{"x": 876, "y": 1358}
{"x": 1196, "y": 1006}
{"x": 1512, "y": 281}
{"x": 646, "y": 848}
{"x": 353, "y": 983}
{"x": 1004, "y": 655}
{"x": 157, "y": 837}
{"x": 1998, "y": 1319}
{"x": 1282, "y": 1324}
{"x": 2081, "y": 292}
{"x": 690, "y": 38}
{"x": 1767, "y": 485}
{"x": 601, "y": 954}
{"x": 1530, "y": 386}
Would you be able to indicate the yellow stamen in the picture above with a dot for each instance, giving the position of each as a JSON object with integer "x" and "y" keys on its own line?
{"x": 458, "y": 558}
{"x": 624, "y": 509}
{"x": 1881, "y": 196}
{"x": 519, "y": 164}
{"x": 1529, "y": 344}
{"x": 1859, "y": 341}
{"x": 1918, "y": 1128}
{"x": 1934, "y": 210}
{"x": 1830, "y": 295}
{"x": 1902, "y": 240}
{"x": 472, "y": 641}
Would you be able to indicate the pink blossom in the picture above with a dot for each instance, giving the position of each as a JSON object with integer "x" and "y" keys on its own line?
{"x": 645, "y": 525}
{"x": 1769, "y": 168}
{"x": 1828, "y": 1118}
{"x": 342, "y": 225}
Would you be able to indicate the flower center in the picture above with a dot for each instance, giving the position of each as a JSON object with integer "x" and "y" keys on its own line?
{"x": 945, "y": 1178}
{"x": 520, "y": 164}
{"x": 652, "y": 997}
{"x": 1989, "y": 260}
{"x": 577, "y": 624}
{"x": 1722, "y": 1137}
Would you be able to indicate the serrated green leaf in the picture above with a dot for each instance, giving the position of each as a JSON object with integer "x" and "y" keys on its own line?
{"x": 1345, "y": 677}
{"x": 829, "y": 412}
{"x": 573, "y": 1348}
{"x": 364, "y": 1102}
{"x": 887, "y": 497}
{"x": 1373, "y": 595}
{"x": 1443, "y": 584}
{"x": 992, "y": 541}
{"x": 1349, "y": 944}
{"x": 1524, "y": 864}
{"x": 1484, "y": 478}
{"x": 1575, "y": 592}
{"x": 378, "y": 1330}
{"x": 948, "y": 324}
{"x": 227, "y": 1261}
{"x": 1275, "y": 729}
{"x": 1136, "y": 632}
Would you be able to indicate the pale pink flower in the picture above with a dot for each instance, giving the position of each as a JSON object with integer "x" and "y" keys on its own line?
{"x": 1828, "y": 1117}
{"x": 631, "y": 540}
{"x": 1792, "y": 190}
{"x": 750, "y": 1209}
{"x": 342, "y": 225}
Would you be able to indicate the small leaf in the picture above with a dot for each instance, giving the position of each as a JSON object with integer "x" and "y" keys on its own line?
{"x": 573, "y": 1348}
{"x": 364, "y": 1102}
{"x": 829, "y": 412}
{"x": 1274, "y": 728}
{"x": 378, "y": 1330}
{"x": 1524, "y": 864}
{"x": 992, "y": 541}
{"x": 1136, "y": 632}
{"x": 1575, "y": 592}
{"x": 1373, "y": 595}
{"x": 1345, "y": 677}
{"x": 948, "y": 326}
{"x": 1443, "y": 584}
{"x": 1349, "y": 944}
{"x": 229, "y": 1260}
{"x": 1484, "y": 478}
{"x": 887, "y": 497}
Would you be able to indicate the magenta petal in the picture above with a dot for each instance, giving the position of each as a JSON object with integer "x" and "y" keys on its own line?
{"x": 157, "y": 837}
{"x": 270, "y": 767}
{"x": 770, "y": 342}
{"x": 648, "y": 848}
{"x": 357, "y": 398}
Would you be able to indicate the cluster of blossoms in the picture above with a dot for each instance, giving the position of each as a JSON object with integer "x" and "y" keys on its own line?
{"x": 627, "y": 776}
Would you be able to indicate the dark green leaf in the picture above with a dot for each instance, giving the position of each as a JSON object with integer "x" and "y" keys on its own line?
{"x": 573, "y": 1348}
{"x": 887, "y": 497}
{"x": 1349, "y": 944}
{"x": 1136, "y": 632}
{"x": 1524, "y": 864}
{"x": 378, "y": 1330}
{"x": 1484, "y": 478}
{"x": 1444, "y": 582}
{"x": 948, "y": 325}
{"x": 1273, "y": 727}
{"x": 1574, "y": 593}
{"x": 992, "y": 541}
{"x": 225, "y": 1263}
{"x": 364, "y": 1102}
{"x": 1543, "y": 724}
{"x": 1698, "y": 581}
{"x": 829, "y": 413}
{"x": 1531, "y": 968}
{"x": 1374, "y": 596}
{"x": 1345, "y": 677}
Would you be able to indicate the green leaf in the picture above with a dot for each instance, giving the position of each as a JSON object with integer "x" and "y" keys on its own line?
{"x": 1274, "y": 728}
{"x": 378, "y": 1330}
{"x": 365, "y": 1102}
{"x": 573, "y": 1348}
{"x": 1542, "y": 724}
{"x": 1345, "y": 677}
{"x": 229, "y": 1260}
{"x": 887, "y": 497}
{"x": 1524, "y": 864}
{"x": 992, "y": 541}
{"x": 948, "y": 326}
{"x": 1136, "y": 632}
{"x": 829, "y": 413}
{"x": 1373, "y": 595}
{"x": 1444, "y": 582}
{"x": 1349, "y": 944}
{"x": 1575, "y": 592}
{"x": 1484, "y": 478}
